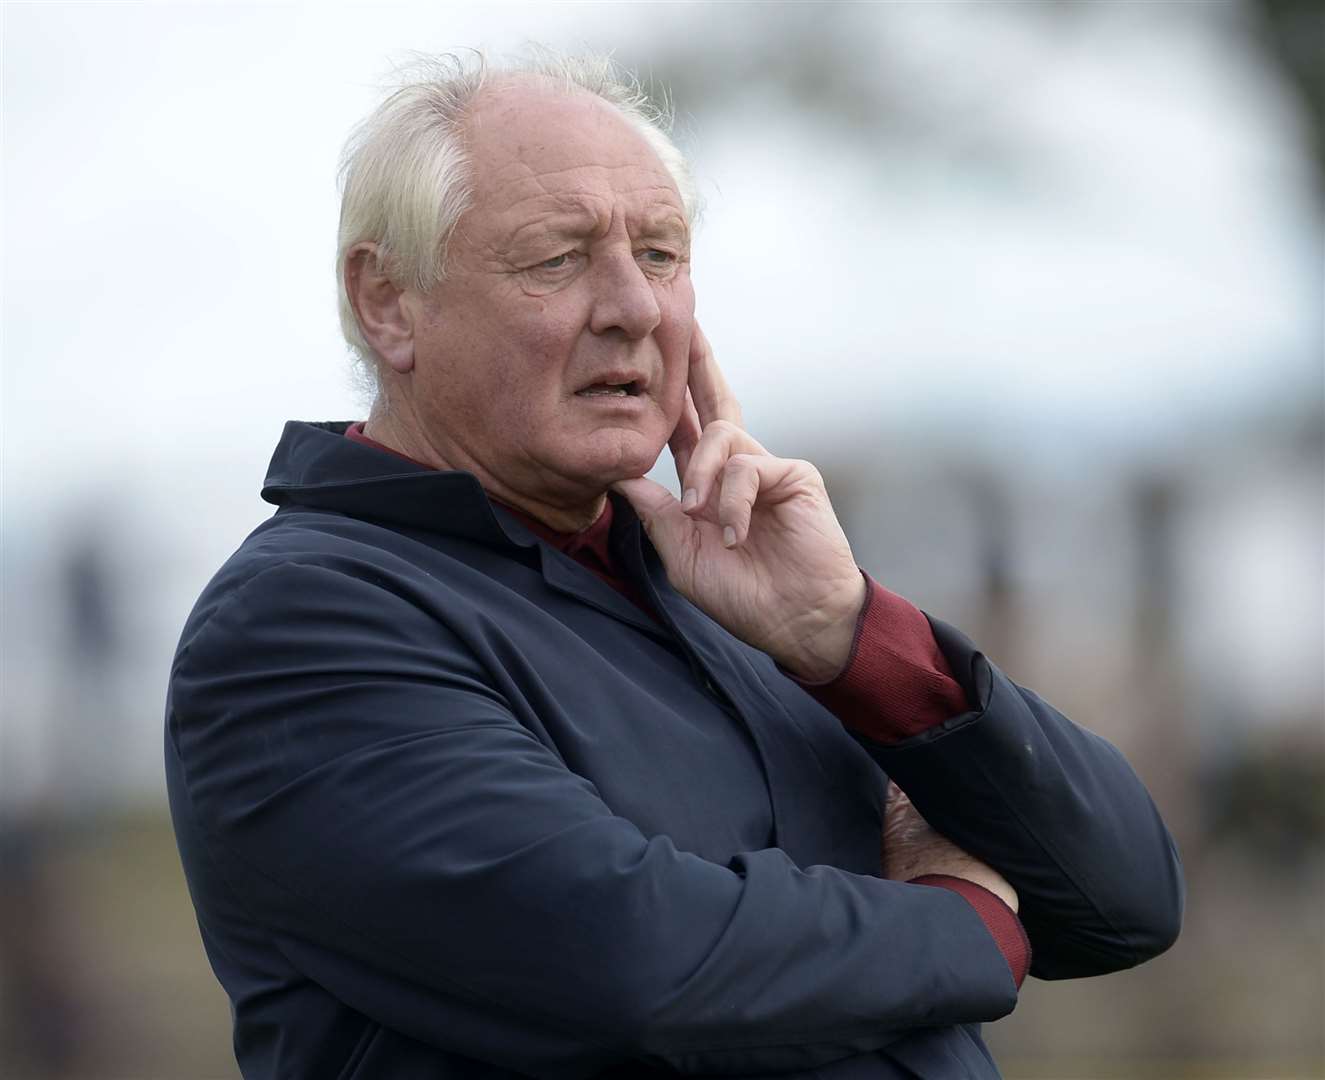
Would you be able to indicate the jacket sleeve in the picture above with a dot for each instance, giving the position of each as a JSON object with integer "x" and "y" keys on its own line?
{"x": 409, "y": 846}
{"x": 1056, "y": 810}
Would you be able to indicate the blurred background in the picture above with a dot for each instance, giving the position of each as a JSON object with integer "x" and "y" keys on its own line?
{"x": 1038, "y": 285}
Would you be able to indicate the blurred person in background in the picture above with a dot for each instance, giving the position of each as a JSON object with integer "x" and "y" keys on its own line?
{"x": 487, "y": 756}
{"x": 55, "y": 1008}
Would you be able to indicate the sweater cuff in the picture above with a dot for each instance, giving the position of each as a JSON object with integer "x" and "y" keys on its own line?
{"x": 896, "y": 683}
{"x": 999, "y": 919}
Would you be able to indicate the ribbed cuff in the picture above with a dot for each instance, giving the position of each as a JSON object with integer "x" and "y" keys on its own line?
{"x": 1000, "y": 920}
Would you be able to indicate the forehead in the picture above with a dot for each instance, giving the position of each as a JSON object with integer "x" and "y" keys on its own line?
{"x": 539, "y": 148}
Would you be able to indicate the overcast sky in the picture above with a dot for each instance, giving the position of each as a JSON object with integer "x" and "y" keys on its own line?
{"x": 170, "y": 211}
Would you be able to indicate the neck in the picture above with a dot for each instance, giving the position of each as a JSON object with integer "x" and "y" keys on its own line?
{"x": 385, "y": 426}
{"x": 559, "y": 519}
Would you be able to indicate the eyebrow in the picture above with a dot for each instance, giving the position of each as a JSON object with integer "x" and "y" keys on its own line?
{"x": 668, "y": 224}
{"x": 575, "y": 220}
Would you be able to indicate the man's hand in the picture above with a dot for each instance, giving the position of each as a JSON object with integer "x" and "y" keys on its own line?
{"x": 754, "y": 541}
{"x": 911, "y": 848}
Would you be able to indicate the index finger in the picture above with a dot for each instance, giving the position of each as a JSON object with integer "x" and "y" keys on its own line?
{"x": 713, "y": 398}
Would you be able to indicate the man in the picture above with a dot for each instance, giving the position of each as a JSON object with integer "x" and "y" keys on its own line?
{"x": 472, "y": 777}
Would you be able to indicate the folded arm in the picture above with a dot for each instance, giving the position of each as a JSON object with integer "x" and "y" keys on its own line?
{"x": 1009, "y": 779}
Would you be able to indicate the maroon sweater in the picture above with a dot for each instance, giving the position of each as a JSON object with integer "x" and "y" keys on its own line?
{"x": 896, "y": 684}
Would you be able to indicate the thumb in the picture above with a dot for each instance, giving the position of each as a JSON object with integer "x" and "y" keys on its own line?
{"x": 658, "y": 511}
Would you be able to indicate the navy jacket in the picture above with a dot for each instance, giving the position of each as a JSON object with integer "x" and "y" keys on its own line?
{"x": 450, "y": 806}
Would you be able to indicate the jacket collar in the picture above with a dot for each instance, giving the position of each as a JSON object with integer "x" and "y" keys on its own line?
{"x": 316, "y": 466}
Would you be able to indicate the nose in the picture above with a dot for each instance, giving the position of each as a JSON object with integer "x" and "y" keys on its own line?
{"x": 623, "y": 298}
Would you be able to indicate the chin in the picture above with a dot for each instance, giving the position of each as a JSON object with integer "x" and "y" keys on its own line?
{"x": 630, "y": 454}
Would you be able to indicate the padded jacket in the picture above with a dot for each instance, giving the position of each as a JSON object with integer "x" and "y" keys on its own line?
{"x": 450, "y": 806}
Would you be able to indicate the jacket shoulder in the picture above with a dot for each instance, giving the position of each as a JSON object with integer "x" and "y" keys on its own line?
{"x": 293, "y": 541}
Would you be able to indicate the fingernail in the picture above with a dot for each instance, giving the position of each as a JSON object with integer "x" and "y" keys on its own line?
{"x": 690, "y": 499}
{"x": 728, "y": 537}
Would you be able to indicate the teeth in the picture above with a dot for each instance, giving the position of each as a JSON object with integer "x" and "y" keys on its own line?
{"x": 600, "y": 391}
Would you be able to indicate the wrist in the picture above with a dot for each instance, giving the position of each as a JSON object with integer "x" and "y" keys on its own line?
{"x": 819, "y": 653}
{"x": 1000, "y": 920}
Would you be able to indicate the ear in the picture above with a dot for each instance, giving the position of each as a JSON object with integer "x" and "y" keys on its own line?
{"x": 384, "y": 318}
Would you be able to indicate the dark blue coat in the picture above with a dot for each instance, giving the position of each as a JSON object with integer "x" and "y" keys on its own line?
{"x": 450, "y": 806}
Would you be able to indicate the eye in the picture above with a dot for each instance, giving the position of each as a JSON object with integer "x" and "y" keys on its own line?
{"x": 659, "y": 262}
{"x": 556, "y": 262}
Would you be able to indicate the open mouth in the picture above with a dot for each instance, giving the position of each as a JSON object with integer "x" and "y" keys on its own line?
{"x": 625, "y": 389}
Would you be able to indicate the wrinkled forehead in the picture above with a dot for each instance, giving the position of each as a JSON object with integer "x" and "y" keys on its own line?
{"x": 531, "y": 138}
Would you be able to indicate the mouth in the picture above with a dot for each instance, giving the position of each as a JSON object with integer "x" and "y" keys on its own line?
{"x": 612, "y": 388}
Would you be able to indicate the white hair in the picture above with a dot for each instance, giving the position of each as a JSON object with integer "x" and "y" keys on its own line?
{"x": 405, "y": 176}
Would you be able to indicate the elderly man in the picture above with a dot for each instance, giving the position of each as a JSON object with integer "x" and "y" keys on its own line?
{"x": 488, "y": 757}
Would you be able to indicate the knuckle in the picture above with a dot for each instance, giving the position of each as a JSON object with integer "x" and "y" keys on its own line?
{"x": 808, "y": 471}
{"x": 734, "y": 491}
{"x": 743, "y": 477}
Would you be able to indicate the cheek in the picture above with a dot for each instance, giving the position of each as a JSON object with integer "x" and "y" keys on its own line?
{"x": 680, "y": 297}
{"x": 673, "y": 334}
{"x": 543, "y": 336}
{"x": 674, "y": 390}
